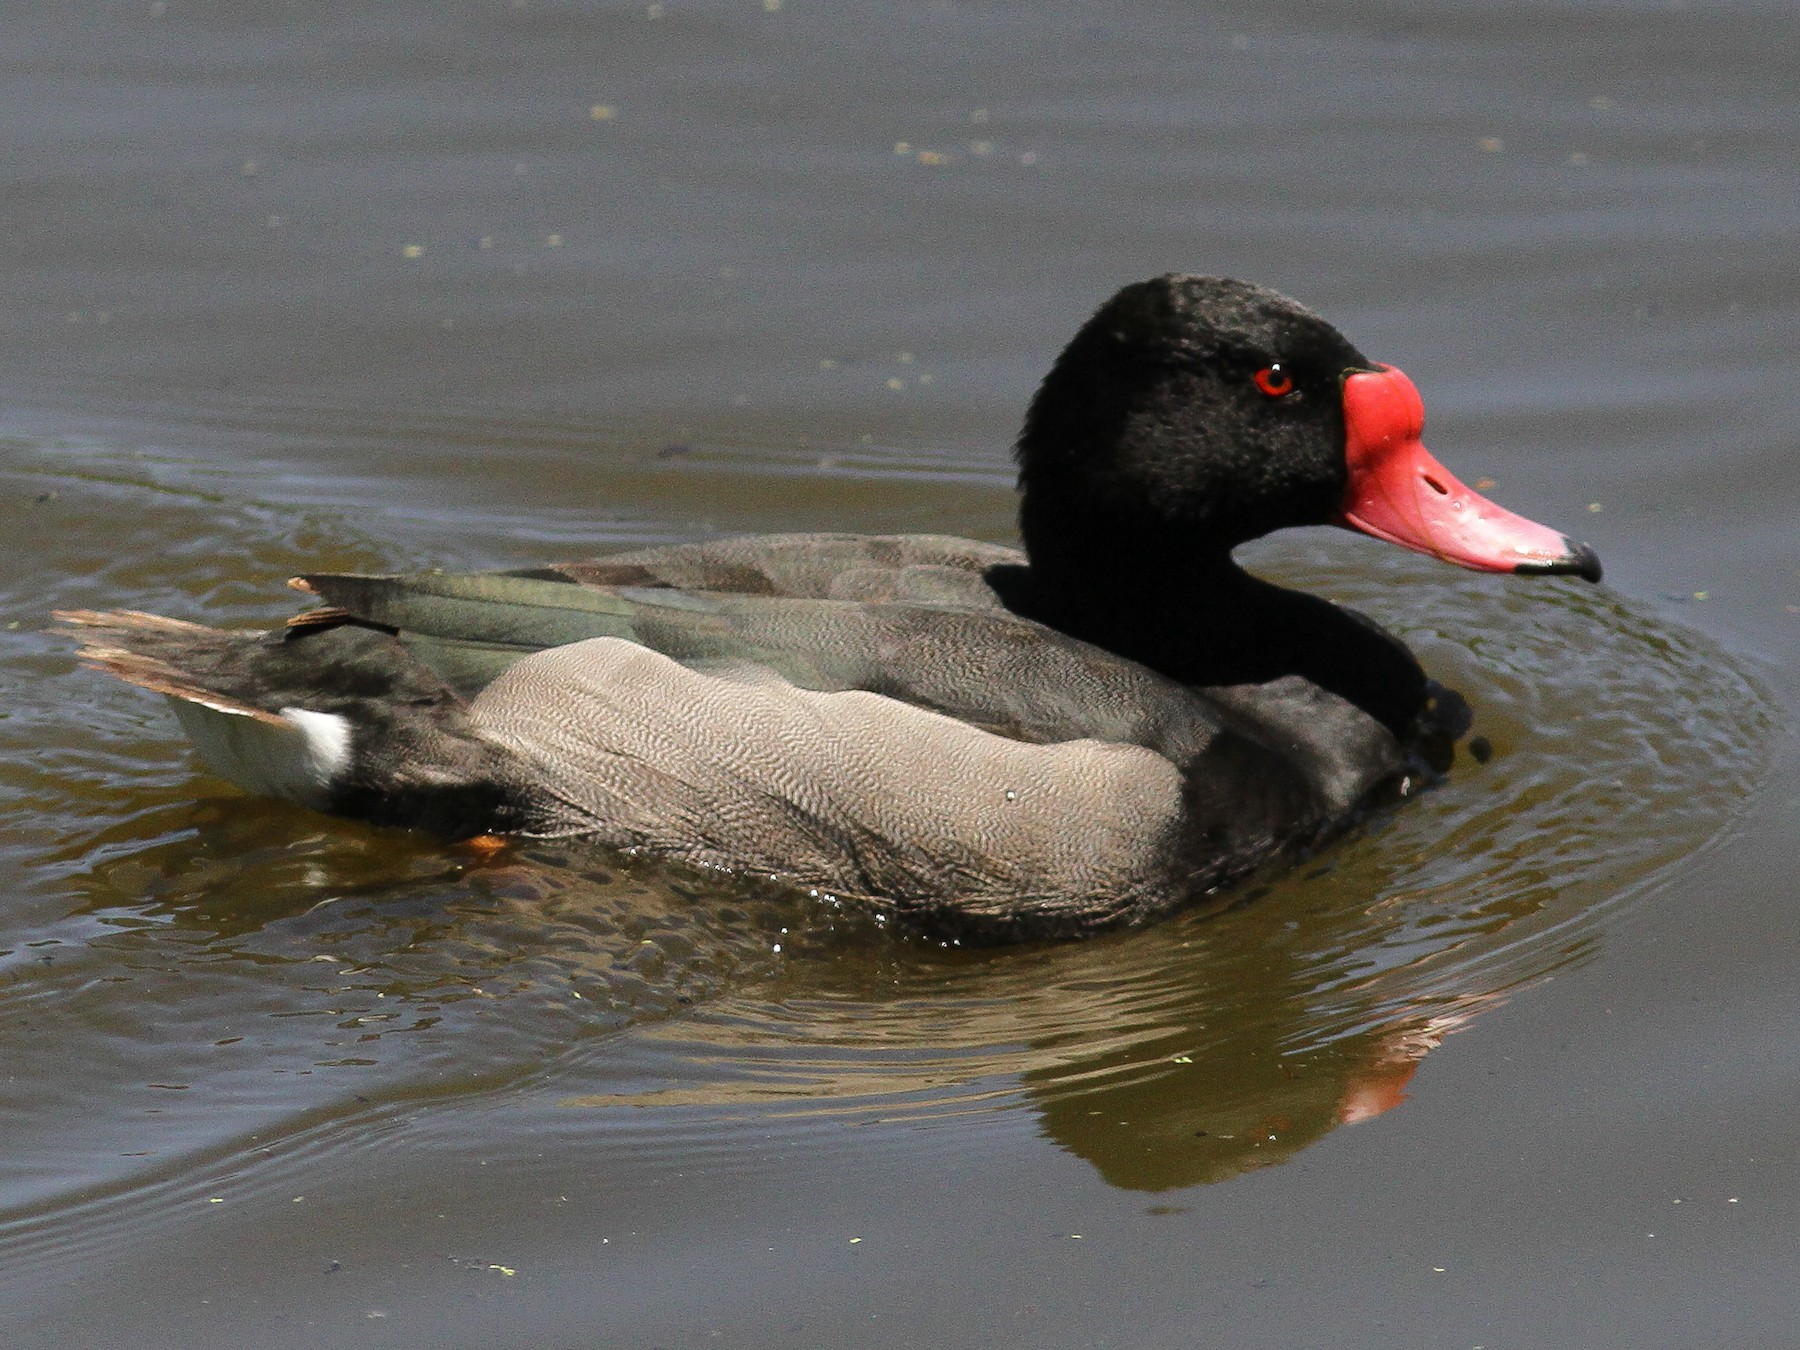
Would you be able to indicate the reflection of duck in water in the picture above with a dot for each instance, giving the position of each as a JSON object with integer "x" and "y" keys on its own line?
{"x": 987, "y": 743}
{"x": 1187, "y": 1118}
{"x": 1186, "y": 1054}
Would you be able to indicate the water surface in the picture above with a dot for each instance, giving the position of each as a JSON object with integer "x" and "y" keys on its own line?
{"x": 496, "y": 283}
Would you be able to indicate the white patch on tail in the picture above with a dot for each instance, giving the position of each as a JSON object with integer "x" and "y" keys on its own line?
{"x": 297, "y": 759}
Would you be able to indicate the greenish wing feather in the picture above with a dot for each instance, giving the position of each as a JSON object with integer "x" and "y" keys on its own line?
{"x": 470, "y": 627}
{"x": 983, "y": 666}
{"x": 467, "y": 667}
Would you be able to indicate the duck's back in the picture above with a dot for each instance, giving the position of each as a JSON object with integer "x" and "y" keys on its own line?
{"x": 917, "y": 568}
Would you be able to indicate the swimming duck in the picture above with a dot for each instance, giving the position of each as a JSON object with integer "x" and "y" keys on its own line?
{"x": 982, "y": 741}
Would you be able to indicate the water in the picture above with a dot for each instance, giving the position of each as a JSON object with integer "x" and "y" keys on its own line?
{"x": 491, "y": 284}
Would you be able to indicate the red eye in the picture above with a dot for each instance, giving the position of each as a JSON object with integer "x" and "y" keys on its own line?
{"x": 1274, "y": 381}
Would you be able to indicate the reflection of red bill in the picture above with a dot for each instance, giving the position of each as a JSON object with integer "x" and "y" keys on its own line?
{"x": 1376, "y": 1091}
{"x": 1380, "y": 1085}
{"x": 1399, "y": 492}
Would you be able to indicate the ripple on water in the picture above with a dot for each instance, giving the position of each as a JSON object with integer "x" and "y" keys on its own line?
{"x": 194, "y": 983}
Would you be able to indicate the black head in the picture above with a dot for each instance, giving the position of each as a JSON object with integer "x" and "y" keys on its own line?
{"x": 1188, "y": 415}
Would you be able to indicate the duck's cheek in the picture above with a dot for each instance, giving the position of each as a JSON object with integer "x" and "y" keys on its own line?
{"x": 1398, "y": 491}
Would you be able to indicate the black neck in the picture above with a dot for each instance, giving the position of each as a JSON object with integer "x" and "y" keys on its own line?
{"x": 1208, "y": 622}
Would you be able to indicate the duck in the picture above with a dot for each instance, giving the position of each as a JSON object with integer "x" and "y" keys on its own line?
{"x": 976, "y": 741}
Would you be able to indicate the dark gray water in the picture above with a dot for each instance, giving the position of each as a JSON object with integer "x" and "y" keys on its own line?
{"x": 311, "y": 287}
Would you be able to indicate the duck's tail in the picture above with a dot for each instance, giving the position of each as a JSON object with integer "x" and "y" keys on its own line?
{"x": 330, "y": 713}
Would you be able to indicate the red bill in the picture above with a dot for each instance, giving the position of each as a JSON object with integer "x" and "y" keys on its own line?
{"x": 1399, "y": 492}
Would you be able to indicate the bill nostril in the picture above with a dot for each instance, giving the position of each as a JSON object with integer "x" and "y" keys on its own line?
{"x": 1436, "y": 486}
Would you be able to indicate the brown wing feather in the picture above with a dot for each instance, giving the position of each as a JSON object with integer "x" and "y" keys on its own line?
{"x": 134, "y": 647}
